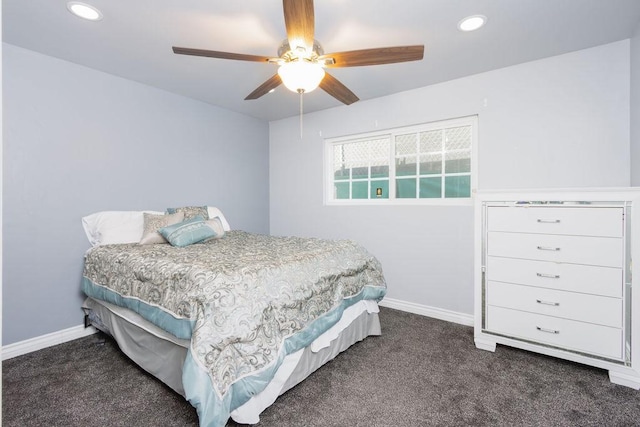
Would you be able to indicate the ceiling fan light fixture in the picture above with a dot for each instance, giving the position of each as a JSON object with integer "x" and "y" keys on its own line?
{"x": 301, "y": 76}
{"x": 472, "y": 23}
{"x": 301, "y": 59}
{"x": 85, "y": 11}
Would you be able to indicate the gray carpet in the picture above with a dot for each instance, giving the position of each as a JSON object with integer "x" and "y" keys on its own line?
{"x": 420, "y": 372}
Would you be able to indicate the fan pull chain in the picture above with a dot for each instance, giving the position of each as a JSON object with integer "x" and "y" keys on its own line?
{"x": 300, "y": 91}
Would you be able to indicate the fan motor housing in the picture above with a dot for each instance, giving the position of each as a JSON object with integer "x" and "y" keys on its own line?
{"x": 285, "y": 52}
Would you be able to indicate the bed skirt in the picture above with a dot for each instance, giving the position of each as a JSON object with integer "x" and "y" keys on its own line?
{"x": 162, "y": 354}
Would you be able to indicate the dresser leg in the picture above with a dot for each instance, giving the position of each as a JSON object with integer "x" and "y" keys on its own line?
{"x": 485, "y": 344}
{"x": 625, "y": 379}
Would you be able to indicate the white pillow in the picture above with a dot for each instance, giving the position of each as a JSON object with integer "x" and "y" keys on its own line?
{"x": 104, "y": 228}
{"x": 215, "y": 212}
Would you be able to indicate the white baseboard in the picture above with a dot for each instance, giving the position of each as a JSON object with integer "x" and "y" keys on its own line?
{"x": 75, "y": 332}
{"x": 44, "y": 341}
{"x": 425, "y": 310}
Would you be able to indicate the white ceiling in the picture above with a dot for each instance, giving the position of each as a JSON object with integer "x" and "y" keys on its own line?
{"x": 134, "y": 41}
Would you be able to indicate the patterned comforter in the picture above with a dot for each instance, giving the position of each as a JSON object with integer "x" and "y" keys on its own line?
{"x": 245, "y": 301}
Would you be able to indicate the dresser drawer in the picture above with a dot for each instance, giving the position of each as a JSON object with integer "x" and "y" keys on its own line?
{"x": 568, "y": 334}
{"x": 606, "y": 281}
{"x": 602, "y": 251}
{"x": 567, "y": 305}
{"x": 603, "y": 222}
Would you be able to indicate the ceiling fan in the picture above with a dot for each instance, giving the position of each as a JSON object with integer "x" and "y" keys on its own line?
{"x": 302, "y": 59}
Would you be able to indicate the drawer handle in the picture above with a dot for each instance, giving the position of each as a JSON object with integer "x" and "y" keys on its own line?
{"x": 549, "y": 331}
{"x": 548, "y": 276}
{"x": 555, "y": 304}
{"x": 549, "y": 221}
{"x": 548, "y": 248}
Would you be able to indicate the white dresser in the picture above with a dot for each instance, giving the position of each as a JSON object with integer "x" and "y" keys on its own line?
{"x": 553, "y": 275}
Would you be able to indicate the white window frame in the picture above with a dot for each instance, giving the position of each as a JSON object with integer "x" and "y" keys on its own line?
{"x": 328, "y": 191}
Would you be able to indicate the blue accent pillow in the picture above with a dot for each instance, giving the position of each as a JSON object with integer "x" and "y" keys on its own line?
{"x": 188, "y": 232}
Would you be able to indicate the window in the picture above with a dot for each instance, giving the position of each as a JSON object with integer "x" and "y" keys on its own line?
{"x": 430, "y": 163}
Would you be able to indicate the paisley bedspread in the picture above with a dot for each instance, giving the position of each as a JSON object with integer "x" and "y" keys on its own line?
{"x": 245, "y": 301}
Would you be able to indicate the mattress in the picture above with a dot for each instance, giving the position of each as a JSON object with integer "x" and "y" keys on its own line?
{"x": 163, "y": 355}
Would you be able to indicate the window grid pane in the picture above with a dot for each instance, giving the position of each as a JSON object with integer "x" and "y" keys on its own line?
{"x": 360, "y": 190}
{"x": 406, "y": 144}
{"x": 406, "y": 166}
{"x": 382, "y": 186}
{"x": 406, "y": 188}
{"x": 431, "y": 164}
{"x": 341, "y": 190}
{"x": 457, "y": 186}
{"x": 457, "y": 138}
{"x": 430, "y": 188}
{"x": 431, "y": 141}
{"x": 457, "y": 162}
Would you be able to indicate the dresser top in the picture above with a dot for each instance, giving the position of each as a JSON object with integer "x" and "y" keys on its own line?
{"x": 559, "y": 195}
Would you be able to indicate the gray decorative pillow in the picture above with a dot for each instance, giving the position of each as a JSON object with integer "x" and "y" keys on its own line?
{"x": 154, "y": 222}
{"x": 191, "y": 211}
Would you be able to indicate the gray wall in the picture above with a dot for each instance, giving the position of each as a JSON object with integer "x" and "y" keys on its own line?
{"x": 77, "y": 141}
{"x": 635, "y": 107}
{"x": 558, "y": 122}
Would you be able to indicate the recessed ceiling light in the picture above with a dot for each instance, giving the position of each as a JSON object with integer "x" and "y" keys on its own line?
{"x": 84, "y": 10}
{"x": 471, "y": 23}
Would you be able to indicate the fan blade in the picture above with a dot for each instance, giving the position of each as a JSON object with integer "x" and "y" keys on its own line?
{"x": 221, "y": 55}
{"x": 333, "y": 87}
{"x": 299, "y": 20}
{"x": 377, "y": 56}
{"x": 265, "y": 87}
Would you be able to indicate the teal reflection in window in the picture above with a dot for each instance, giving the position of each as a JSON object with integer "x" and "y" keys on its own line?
{"x": 360, "y": 190}
{"x": 406, "y": 188}
{"x": 430, "y": 188}
{"x": 457, "y": 186}
{"x": 383, "y": 185}
{"x": 342, "y": 190}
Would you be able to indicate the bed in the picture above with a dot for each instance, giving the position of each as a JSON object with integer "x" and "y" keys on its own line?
{"x": 233, "y": 320}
